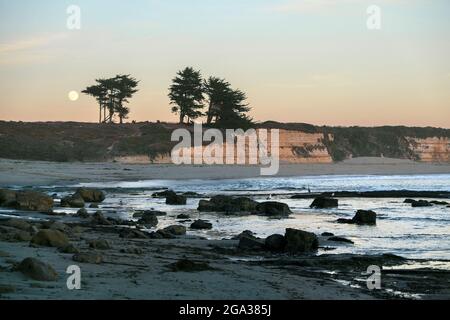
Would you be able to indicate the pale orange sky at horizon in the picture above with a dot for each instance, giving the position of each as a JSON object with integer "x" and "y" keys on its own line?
{"x": 297, "y": 63}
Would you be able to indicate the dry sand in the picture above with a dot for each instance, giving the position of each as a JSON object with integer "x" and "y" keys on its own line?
{"x": 31, "y": 173}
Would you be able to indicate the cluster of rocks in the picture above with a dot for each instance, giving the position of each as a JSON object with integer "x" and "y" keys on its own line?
{"x": 243, "y": 205}
{"x": 425, "y": 203}
{"x": 293, "y": 241}
{"x": 362, "y": 217}
{"x": 26, "y": 200}
{"x": 81, "y": 196}
{"x": 324, "y": 203}
{"x": 172, "y": 198}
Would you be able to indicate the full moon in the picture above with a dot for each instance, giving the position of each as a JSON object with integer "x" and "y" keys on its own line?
{"x": 73, "y": 96}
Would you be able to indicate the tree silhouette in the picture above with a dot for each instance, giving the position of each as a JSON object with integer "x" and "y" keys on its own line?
{"x": 112, "y": 94}
{"x": 186, "y": 94}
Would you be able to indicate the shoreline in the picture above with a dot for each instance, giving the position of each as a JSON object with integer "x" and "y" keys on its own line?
{"x": 34, "y": 173}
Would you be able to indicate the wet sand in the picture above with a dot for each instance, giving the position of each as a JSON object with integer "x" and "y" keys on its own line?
{"x": 34, "y": 173}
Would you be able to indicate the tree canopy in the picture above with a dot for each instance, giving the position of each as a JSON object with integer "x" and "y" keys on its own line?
{"x": 112, "y": 94}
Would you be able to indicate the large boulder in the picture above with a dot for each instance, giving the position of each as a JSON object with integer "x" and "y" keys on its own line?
{"x": 33, "y": 201}
{"x": 362, "y": 217}
{"x": 324, "y": 202}
{"x": 272, "y": 208}
{"x": 298, "y": 241}
{"x": 251, "y": 243}
{"x": 7, "y": 197}
{"x": 275, "y": 243}
{"x": 91, "y": 195}
{"x": 227, "y": 204}
{"x": 37, "y": 270}
{"x": 367, "y": 217}
{"x": 175, "y": 230}
{"x": 149, "y": 220}
{"x": 73, "y": 201}
{"x": 175, "y": 200}
{"x": 201, "y": 225}
{"x": 50, "y": 238}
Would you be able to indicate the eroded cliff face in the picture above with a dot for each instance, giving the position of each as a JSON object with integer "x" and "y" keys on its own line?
{"x": 434, "y": 149}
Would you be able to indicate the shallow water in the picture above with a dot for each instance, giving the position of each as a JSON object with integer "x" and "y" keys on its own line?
{"x": 419, "y": 233}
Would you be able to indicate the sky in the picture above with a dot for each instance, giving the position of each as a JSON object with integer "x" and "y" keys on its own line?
{"x": 312, "y": 61}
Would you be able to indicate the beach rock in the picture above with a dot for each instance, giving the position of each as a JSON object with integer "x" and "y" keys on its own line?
{"x": 324, "y": 202}
{"x": 191, "y": 194}
{"x": 162, "y": 194}
{"x": 88, "y": 257}
{"x": 251, "y": 243}
{"x": 99, "y": 244}
{"x": 50, "y": 238}
{"x": 272, "y": 208}
{"x": 275, "y": 243}
{"x": 185, "y": 265}
{"x": 245, "y": 233}
{"x": 99, "y": 219}
{"x": 298, "y": 241}
{"x": 227, "y": 204}
{"x": 56, "y": 225}
{"x": 93, "y": 206}
{"x": 175, "y": 230}
{"x": 421, "y": 203}
{"x": 73, "y": 201}
{"x": 82, "y": 213}
{"x": 140, "y": 214}
{"x": 410, "y": 201}
{"x": 37, "y": 270}
{"x": 132, "y": 234}
{"x": 69, "y": 249}
{"x": 327, "y": 234}
{"x": 7, "y": 197}
{"x": 340, "y": 239}
{"x": 14, "y": 235}
{"x": 17, "y": 224}
{"x": 161, "y": 234}
{"x": 183, "y": 216}
{"x": 149, "y": 220}
{"x": 365, "y": 217}
{"x": 33, "y": 201}
{"x": 91, "y": 195}
{"x": 201, "y": 224}
{"x": 439, "y": 203}
{"x": 175, "y": 200}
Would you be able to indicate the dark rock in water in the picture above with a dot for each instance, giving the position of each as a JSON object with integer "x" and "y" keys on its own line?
{"x": 132, "y": 234}
{"x": 275, "y": 243}
{"x": 99, "y": 244}
{"x": 347, "y": 221}
{"x": 410, "y": 201}
{"x": 33, "y": 201}
{"x": 88, "y": 257}
{"x": 17, "y": 224}
{"x": 227, "y": 204}
{"x": 298, "y": 241}
{"x": 161, "y": 234}
{"x": 272, "y": 208}
{"x": 73, "y": 201}
{"x": 69, "y": 249}
{"x": 251, "y": 243}
{"x": 367, "y": 217}
{"x": 201, "y": 224}
{"x": 189, "y": 266}
{"x": 175, "y": 230}
{"x": 90, "y": 195}
{"x": 50, "y": 238}
{"x": 324, "y": 202}
{"x": 421, "y": 203}
{"x": 327, "y": 234}
{"x": 439, "y": 203}
{"x": 162, "y": 194}
{"x": 10, "y": 234}
{"x": 82, "y": 213}
{"x": 247, "y": 233}
{"x": 93, "y": 206}
{"x": 140, "y": 214}
{"x": 99, "y": 219}
{"x": 175, "y": 200}
{"x": 149, "y": 220}
{"x": 183, "y": 216}
{"x": 37, "y": 270}
{"x": 7, "y": 197}
{"x": 340, "y": 239}
{"x": 191, "y": 194}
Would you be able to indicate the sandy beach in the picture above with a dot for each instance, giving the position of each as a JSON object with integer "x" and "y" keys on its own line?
{"x": 35, "y": 173}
